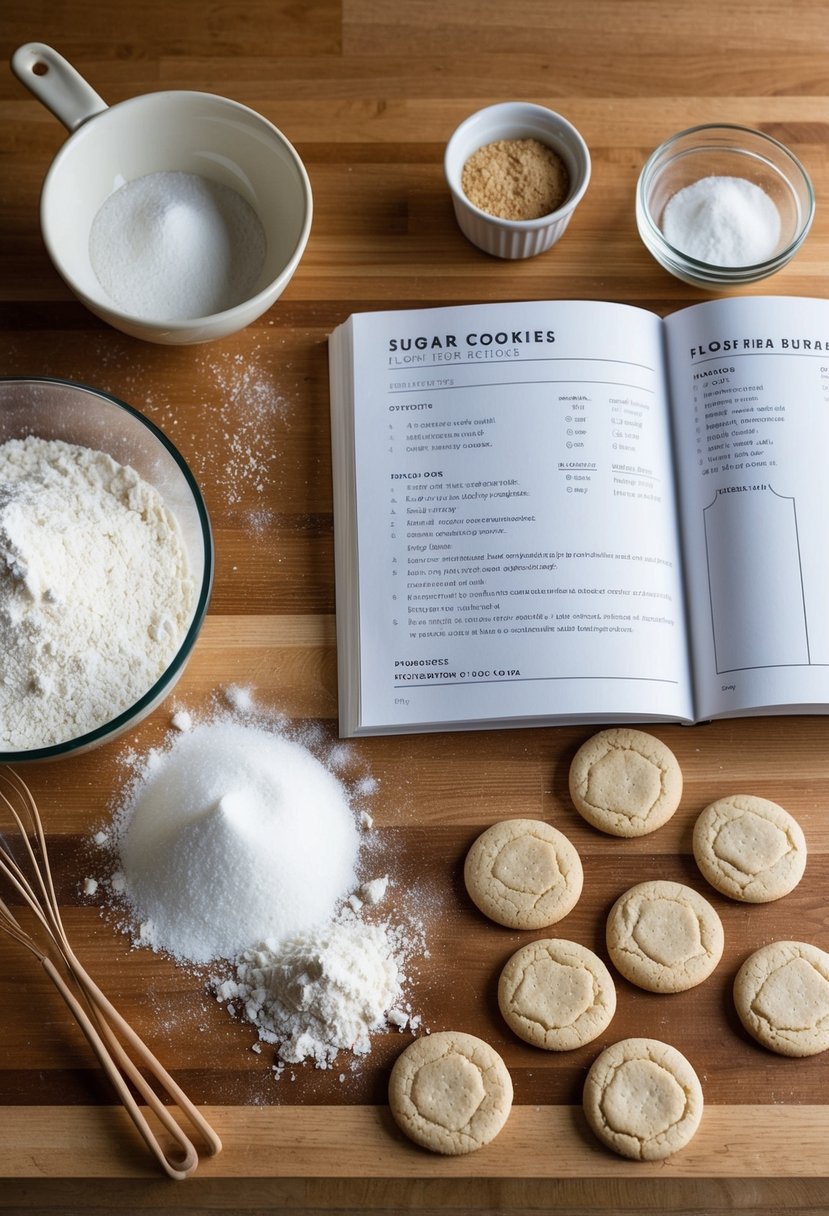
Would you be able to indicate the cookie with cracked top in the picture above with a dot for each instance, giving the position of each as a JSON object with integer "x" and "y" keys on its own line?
{"x": 664, "y": 936}
{"x": 643, "y": 1099}
{"x": 450, "y": 1092}
{"x": 749, "y": 848}
{"x": 625, "y": 782}
{"x": 781, "y": 994}
{"x": 523, "y": 873}
{"x": 556, "y": 994}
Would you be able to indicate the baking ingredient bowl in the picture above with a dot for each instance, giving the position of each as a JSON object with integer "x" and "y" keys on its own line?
{"x": 53, "y": 409}
{"x": 175, "y": 131}
{"x": 509, "y": 120}
{"x": 709, "y": 152}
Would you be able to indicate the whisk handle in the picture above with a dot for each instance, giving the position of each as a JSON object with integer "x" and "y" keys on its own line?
{"x": 109, "y": 1016}
{"x": 180, "y": 1168}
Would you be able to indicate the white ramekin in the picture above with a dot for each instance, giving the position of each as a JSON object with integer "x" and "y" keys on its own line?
{"x": 515, "y": 120}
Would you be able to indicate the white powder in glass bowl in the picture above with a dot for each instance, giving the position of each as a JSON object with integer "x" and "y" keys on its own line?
{"x": 95, "y": 590}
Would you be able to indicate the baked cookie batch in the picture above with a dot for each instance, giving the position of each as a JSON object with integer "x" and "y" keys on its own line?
{"x": 451, "y": 1092}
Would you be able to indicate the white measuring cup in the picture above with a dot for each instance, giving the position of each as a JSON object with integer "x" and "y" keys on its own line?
{"x": 175, "y": 130}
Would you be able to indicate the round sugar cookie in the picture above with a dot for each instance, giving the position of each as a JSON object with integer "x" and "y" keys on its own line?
{"x": 664, "y": 936}
{"x": 749, "y": 848}
{"x": 625, "y": 782}
{"x": 450, "y": 1092}
{"x": 556, "y": 994}
{"x": 781, "y": 993}
{"x": 523, "y": 873}
{"x": 643, "y": 1099}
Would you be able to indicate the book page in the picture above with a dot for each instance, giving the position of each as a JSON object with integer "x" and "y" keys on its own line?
{"x": 750, "y": 385}
{"x": 517, "y": 537}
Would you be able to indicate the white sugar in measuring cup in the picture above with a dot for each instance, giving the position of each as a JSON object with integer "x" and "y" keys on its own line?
{"x": 175, "y": 130}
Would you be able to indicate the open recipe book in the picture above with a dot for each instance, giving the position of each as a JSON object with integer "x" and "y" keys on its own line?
{"x": 580, "y": 512}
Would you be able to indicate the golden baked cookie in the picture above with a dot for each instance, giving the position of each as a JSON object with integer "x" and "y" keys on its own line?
{"x": 643, "y": 1099}
{"x": 625, "y": 782}
{"x": 523, "y": 873}
{"x": 781, "y": 994}
{"x": 749, "y": 848}
{"x": 664, "y": 936}
{"x": 556, "y": 994}
{"x": 450, "y": 1092}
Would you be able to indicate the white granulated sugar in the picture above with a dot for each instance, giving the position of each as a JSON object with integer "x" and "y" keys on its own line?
{"x": 321, "y": 992}
{"x": 238, "y": 698}
{"x": 90, "y": 886}
{"x": 95, "y": 590}
{"x": 233, "y": 835}
{"x": 181, "y": 720}
{"x": 340, "y": 756}
{"x": 723, "y": 221}
{"x": 176, "y": 246}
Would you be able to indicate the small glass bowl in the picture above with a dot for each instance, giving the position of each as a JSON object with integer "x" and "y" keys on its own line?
{"x": 723, "y": 151}
{"x": 63, "y": 410}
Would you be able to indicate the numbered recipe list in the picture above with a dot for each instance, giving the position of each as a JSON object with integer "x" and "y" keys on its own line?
{"x": 515, "y": 514}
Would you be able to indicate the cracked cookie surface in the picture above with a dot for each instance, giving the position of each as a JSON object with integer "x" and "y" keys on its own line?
{"x": 643, "y": 1099}
{"x": 781, "y": 994}
{"x": 625, "y": 782}
{"x": 749, "y": 848}
{"x": 664, "y": 936}
{"x": 523, "y": 873}
{"x": 556, "y": 994}
{"x": 450, "y": 1092}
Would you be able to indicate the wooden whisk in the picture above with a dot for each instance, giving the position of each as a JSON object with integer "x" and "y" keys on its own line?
{"x": 110, "y": 1036}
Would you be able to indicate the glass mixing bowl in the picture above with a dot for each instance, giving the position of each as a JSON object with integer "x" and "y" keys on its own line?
{"x": 723, "y": 151}
{"x": 75, "y": 413}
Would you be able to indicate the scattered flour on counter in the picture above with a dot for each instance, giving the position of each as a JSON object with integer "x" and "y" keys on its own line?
{"x": 323, "y": 992}
{"x": 247, "y": 398}
{"x": 374, "y": 891}
{"x": 95, "y": 590}
{"x": 247, "y": 413}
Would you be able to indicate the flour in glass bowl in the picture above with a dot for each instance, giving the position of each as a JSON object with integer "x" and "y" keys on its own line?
{"x": 176, "y": 246}
{"x": 95, "y": 590}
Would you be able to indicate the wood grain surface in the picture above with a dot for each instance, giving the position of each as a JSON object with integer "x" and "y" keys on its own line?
{"x": 369, "y": 91}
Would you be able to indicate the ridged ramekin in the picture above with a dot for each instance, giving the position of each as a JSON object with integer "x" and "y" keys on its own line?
{"x": 515, "y": 120}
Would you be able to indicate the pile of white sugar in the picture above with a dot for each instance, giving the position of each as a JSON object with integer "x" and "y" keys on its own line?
{"x": 176, "y": 246}
{"x": 237, "y": 844}
{"x": 723, "y": 221}
{"x": 232, "y": 835}
{"x": 95, "y": 590}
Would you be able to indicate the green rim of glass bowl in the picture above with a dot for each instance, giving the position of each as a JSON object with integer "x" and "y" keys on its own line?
{"x": 690, "y": 269}
{"x": 115, "y": 725}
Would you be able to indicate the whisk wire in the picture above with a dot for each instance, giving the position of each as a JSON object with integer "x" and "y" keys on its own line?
{"x": 100, "y": 1022}
{"x": 39, "y": 861}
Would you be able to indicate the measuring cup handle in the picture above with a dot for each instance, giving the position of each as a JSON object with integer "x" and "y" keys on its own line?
{"x": 56, "y": 83}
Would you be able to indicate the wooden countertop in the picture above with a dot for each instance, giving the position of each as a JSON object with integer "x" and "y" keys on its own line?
{"x": 369, "y": 91}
